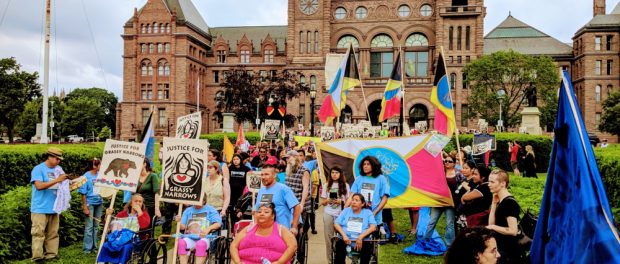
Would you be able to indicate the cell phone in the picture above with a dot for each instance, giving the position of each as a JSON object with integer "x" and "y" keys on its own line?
{"x": 333, "y": 195}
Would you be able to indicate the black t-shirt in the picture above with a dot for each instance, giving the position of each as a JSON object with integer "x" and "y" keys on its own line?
{"x": 256, "y": 161}
{"x": 481, "y": 204}
{"x": 507, "y": 245}
{"x": 237, "y": 182}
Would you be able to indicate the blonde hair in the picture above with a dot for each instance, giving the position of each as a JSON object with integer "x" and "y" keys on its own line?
{"x": 530, "y": 150}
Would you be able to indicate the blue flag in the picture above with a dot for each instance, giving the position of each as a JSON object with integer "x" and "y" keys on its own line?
{"x": 575, "y": 224}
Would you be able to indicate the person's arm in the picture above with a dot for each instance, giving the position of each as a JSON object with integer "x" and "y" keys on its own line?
{"x": 511, "y": 230}
{"x": 360, "y": 239}
{"x": 472, "y": 195}
{"x": 85, "y": 205}
{"x": 291, "y": 246}
{"x": 144, "y": 220}
{"x": 305, "y": 181}
{"x": 381, "y": 204}
{"x": 226, "y": 189}
{"x": 211, "y": 228}
{"x": 41, "y": 185}
{"x": 234, "y": 246}
{"x": 493, "y": 209}
{"x": 296, "y": 214}
{"x": 340, "y": 231}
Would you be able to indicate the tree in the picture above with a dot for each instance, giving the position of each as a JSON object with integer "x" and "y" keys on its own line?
{"x": 29, "y": 118}
{"x": 18, "y": 88}
{"x": 514, "y": 73}
{"x": 105, "y": 133}
{"x": 241, "y": 87}
{"x": 106, "y": 99}
{"x": 610, "y": 121}
{"x": 83, "y": 116}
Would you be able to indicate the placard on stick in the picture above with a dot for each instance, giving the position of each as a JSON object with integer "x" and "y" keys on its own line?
{"x": 253, "y": 181}
{"x": 184, "y": 164}
{"x": 189, "y": 126}
{"x": 121, "y": 165}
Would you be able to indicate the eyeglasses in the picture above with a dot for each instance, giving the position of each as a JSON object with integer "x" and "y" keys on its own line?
{"x": 448, "y": 161}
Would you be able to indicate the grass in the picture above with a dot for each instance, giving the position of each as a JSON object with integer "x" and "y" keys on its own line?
{"x": 528, "y": 191}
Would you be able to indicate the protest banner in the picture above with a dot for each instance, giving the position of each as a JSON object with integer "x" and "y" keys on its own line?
{"x": 272, "y": 129}
{"x": 327, "y": 133}
{"x": 121, "y": 165}
{"x": 189, "y": 126}
{"x": 183, "y": 165}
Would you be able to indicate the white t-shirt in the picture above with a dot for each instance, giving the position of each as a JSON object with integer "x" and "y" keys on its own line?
{"x": 334, "y": 209}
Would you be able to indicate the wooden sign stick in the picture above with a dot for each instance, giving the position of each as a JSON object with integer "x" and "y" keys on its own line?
{"x": 105, "y": 227}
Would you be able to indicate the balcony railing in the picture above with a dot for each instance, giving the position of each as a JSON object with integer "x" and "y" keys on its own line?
{"x": 460, "y": 11}
{"x": 410, "y": 81}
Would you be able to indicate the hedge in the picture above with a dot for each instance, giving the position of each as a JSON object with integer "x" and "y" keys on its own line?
{"x": 608, "y": 160}
{"x": 216, "y": 140}
{"x": 542, "y": 148}
{"x": 17, "y": 161}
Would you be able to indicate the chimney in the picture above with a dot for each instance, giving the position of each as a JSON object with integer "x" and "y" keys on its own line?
{"x": 599, "y": 7}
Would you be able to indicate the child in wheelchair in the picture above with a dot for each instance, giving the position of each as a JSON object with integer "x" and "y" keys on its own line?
{"x": 198, "y": 222}
{"x": 354, "y": 226}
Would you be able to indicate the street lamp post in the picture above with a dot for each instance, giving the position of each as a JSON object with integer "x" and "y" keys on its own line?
{"x": 312, "y": 97}
{"x": 52, "y": 123}
{"x": 500, "y": 122}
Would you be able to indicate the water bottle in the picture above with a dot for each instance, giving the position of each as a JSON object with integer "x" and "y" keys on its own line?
{"x": 382, "y": 230}
{"x": 492, "y": 162}
{"x": 349, "y": 250}
{"x": 264, "y": 261}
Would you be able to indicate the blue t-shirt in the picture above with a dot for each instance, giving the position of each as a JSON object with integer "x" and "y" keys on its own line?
{"x": 87, "y": 189}
{"x": 375, "y": 187}
{"x": 281, "y": 176}
{"x": 310, "y": 165}
{"x": 43, "y": 200}
{"x": 206, "y": 211}
{"x": 355, "y": 224}
{"x": 284, "y": 199}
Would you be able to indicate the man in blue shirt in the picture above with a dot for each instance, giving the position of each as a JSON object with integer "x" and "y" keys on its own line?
{"x": 44, "y": 179}
{"x": 279, "y": 194}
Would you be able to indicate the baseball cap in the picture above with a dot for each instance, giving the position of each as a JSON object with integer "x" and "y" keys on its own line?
{"x": 270, "y": 162}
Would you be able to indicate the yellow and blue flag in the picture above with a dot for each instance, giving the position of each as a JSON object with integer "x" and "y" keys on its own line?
{"x": 392, "y": 101}
{"x": 575, "y": 224}
{"x": 441, "y": 98}
{"x": 346, "y": 78}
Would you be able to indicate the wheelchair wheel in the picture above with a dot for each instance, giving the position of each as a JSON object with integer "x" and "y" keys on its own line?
{"x": 154, "y": 253}
{"x": 302, "y": 251}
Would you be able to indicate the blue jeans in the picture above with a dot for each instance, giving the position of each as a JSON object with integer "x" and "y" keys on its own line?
{"x": 91, "y": 227}
{"x": 450, "y": 218}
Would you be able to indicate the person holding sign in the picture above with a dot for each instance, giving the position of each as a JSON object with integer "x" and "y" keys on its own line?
{"x": 148, "y": 187}
{"x": 355, "y": 224}
{"x": 333, "y": 198}
{"x": 280, "y": 195}
{"x": 45, "y": 222}
{"x": 372, "y": 185}
{"x": 198, "y": 222}
{"x": 265, "y": 242}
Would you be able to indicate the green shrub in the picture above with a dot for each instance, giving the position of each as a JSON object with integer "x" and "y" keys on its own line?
{"x": 608, "y": 160}
{"x": 17, "y": 161}
{"x": 216, "y": 141}
{"x": 542, "y": 148}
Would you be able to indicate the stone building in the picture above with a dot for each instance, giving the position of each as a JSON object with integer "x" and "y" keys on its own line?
{"x": 171, "y": 55}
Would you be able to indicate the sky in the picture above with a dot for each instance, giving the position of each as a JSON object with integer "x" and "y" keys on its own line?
{"x": 86, "y": 45}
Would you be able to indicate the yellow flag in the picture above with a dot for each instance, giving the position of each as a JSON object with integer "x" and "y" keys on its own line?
{"x": 229, "y": 149}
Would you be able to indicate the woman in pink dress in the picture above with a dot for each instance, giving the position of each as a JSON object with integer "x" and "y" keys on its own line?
{"x": 265, "y": 239}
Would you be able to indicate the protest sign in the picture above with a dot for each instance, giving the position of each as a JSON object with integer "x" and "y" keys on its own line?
{"x": 272, "y": 129}
{"x": 121, "y": 165}
{"x": 184, "y": 164}
{"x": 189, "y": 126}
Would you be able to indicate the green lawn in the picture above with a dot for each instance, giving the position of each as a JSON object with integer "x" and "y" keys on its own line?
{"x": 527, "y": 191}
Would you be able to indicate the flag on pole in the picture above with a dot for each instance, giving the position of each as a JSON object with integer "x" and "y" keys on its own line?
{"x": 148, "y": 138}
{"x": 391, "y": 102}
{"x": 346, "y": 78}
{"x": 229, "y": 149}
{"x": 441, "y": 98}
{"x": 241, "y": 141}
{"x": 575, "y": 224}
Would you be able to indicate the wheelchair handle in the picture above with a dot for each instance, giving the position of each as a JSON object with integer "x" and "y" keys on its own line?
{"x": 159, "y": 239}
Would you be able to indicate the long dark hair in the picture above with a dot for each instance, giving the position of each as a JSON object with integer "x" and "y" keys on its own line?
{"x": 467, "y": 245}
{"x": 374, "y": 163}
{"x": 216, "y": 154}
{"x": 342, "y": 185}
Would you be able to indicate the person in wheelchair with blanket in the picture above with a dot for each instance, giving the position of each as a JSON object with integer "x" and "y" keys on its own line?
{"x": 198, "y": 222}
{"x": 354, "y": 225}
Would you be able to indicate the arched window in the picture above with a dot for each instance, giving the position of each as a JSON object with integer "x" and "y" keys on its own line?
{"x": 268, "y": 56}
{"x": 344, "y": 41}
{"x": 148, "y": 29}
{"x": 302, "y": 79}
{"x": 162, "y": 28}
{"x": 452, "y": 80}
{"x": 167, "y": 28}
{"x": 417, "y": 113}
{"x": 151, "y": 48}
{"x": 143, "y": 48}
{"x": 316, "y": 42}
{"x": 467, "y": 33}
{"x": 301, "y": 42}
{"x": 382, "y": 41}
{"x": 166, "y": 69}
{"x": 160, "y": 69}
{"x": 458, "y": 37}
{"x": 167, "y": 47}
{"x": 150, "y": 69}
{"x": 450, "y": 37}
{"x": 142, "y": 29}
{"x": 144, "y": 69}
{"x": 597, "y": 93}
{"x": 312, "y": 82}
{"x": 160, "y": 48}
{"x": 308, "y": 43}
{"x": 155, "y": 28}
{"x": 416, "y": 40}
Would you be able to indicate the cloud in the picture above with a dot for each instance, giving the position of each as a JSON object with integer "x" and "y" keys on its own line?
{"x": 75, "y": 62}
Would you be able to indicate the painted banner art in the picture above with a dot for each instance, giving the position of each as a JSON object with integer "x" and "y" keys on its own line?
{"x": 185, "y": 161}
{"x": 189, "y": 126}
{"x": 121, "y": 165}
{"x": 272, "y": 129}
{"x": 416, "y": 177}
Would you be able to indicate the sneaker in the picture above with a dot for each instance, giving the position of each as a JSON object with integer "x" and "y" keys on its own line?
{"x": 314, "y": 232}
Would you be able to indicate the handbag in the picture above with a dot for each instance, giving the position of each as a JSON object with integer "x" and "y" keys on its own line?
{"x": 527, "y": 227}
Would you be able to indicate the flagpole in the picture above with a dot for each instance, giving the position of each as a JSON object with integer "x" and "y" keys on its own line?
{"x": 402, "y": 87}
{"x": 361, "y": 82}
{"x": 456, "y": 128}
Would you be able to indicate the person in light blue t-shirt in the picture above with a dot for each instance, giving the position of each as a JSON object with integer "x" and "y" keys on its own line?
{"x": 372, "y": 185}
{"x": 355, "y": 224}
{"x": 45, "y": 222}
{"x": 213, "y": 222}
{"x": 288, "y": 209}
{"x": 92, "y": 206}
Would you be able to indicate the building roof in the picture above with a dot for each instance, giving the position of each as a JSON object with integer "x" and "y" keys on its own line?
{"x": 256, "y": 34}
{"x": 611, "y": 19}
{"x": 186, "y": 13}
{"x": 523, "y": 38}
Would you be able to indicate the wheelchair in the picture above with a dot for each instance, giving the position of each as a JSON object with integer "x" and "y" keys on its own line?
{"x": 301, "y": 256}
{"x": 354, "y": 255}
{"x": 219, "y": 247}
{"x": 145, "y": 248}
